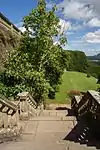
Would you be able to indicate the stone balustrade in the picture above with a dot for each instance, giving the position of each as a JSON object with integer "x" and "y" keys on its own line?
{"x": 27, "y": 106}
{"x": 11, "y": 112}
{"x": 8, "y": 114}
{"x": 9, "y": 120}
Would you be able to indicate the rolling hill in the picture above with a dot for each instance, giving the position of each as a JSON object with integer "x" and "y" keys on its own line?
{"x": 95, "y": 57}
{"x": 73, "y": 81}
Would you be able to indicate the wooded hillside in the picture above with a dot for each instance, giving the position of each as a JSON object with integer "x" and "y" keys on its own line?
{"x": 77, "y": 61}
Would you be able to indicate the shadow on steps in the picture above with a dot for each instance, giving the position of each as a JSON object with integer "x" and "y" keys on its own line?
{"x": 83, "y": 133}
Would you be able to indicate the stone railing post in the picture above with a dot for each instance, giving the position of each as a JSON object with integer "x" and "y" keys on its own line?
{"x": 27, "y": 105}
{"x": 5, "y": 120}
{"x": 24, "y": 106}
{"x": 23, "y": 101}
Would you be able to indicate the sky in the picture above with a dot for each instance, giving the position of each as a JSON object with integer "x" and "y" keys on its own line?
{"x": 79, "y": 19}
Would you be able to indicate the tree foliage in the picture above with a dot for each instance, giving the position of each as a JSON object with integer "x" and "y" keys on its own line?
{"x": 93, "y": 68}
{"x": 77, "y": 61}
{"x": 37, "y": 65}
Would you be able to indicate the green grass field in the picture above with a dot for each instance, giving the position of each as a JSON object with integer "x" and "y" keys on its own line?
{"x": 73, "y": 81}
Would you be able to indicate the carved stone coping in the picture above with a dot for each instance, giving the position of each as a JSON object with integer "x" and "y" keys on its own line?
{"x": 8, "y": 105}
{"x": 32, "y": 100}
{"x": 23, "y": 95}
{"x": 75, "y": 101}
{"x": 78, "y": 98}
{"x": 95, "y": 95}
{"x": 12, "y": 103}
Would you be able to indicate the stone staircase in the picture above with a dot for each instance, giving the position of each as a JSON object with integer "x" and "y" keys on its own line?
{"x": 58, "y": 128}
{"x": 54, "y": 129}
{"x": 80, "y": 134}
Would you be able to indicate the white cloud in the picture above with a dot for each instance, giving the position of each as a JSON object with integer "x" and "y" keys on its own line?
{"x": 95, "y": 4}
{"x": 77, "y": 10}
{"x": 86, "y": 15}
{"x": 65, "y": 25}
{"x": 22, "y": 29}
{"x": 77, "y": 27}
{"x": 94, "y": 22}
{"x": 20, "y": 26}
{"x": 92, "y": 37}
{"x": 88, "y": 48}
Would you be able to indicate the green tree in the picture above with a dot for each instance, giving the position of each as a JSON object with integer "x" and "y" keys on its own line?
{"x": 37, "y": 64}
{"x": 78, "y": 61}
{"x": 98, "y": 79}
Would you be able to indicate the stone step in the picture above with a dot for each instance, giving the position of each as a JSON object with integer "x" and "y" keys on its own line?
{"x": 60, "y": 113}
{"x": 54, "y": 118}
{"x": 77, "y": 146}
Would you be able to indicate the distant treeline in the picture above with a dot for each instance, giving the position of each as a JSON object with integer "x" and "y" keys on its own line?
{"x": 95, "y": 57}
{"x": 77, "y": 61}
{"x": 93, "y": 68}
{"x": 94, "y": 65}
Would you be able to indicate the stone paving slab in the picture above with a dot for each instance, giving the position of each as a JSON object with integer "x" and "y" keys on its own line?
{"x": 19, "y": 146}
{"x": 45, "y": 118}
{"x": 53, "y": 118}
{"x": 50, "y": 137}
{"x": 50, "y": 147}
{"x": 46, "y": 146}
{"x": 55, "y": 126}
{"x": 27, "y": 138}
{"x": 30, "y": 127}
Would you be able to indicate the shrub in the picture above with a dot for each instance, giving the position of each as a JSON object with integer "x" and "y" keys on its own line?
{"x": 88, "y": 75}
{"x": 72, "y": 93}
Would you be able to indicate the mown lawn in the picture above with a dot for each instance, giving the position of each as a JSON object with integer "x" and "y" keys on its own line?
{"x": 73, "y": 81}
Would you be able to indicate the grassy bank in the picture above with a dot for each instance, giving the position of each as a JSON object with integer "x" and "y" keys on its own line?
{"x": 73, "y": 81}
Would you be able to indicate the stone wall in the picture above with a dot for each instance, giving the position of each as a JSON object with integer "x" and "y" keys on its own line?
{"x": 4, "y": 22}
{"x": 9, "y": 38}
